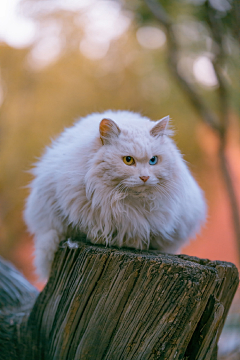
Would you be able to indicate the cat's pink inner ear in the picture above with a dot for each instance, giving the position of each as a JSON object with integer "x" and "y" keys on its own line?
{"x": 108, "y": 129}
{"x": 159, "y": 128}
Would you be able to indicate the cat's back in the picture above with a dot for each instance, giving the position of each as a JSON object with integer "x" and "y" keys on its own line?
{"x": 85, "y": 131}
{"x": 88, "y": 127}
{"x": 82, "y": 140}
{"x": 74, "y": 141}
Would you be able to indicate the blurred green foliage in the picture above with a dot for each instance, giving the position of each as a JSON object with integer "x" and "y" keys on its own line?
{"x": 203, "y": 27}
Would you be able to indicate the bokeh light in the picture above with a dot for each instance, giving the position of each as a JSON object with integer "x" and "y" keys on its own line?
{"x": 203, "y": 71}
{"x": 151, "y": 37}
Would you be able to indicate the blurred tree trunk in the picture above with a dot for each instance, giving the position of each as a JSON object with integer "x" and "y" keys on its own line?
{"x": 103, "y": 303}
{"x": 219, "y": 123}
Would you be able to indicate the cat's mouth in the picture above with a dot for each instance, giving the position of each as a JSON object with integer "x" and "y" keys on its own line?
{"x": 135, "y": 189}
{"x": 141, "y": 189}
{"x": 143, "y": 185}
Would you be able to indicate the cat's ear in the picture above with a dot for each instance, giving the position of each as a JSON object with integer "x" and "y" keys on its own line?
{"x": 160, "y": 127}
{"x": 108, "y": 130}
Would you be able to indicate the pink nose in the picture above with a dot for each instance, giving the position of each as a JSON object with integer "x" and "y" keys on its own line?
{"x": 144, "y": 178}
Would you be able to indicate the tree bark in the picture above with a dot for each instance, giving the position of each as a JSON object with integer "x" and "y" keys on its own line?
{"x": 105, "y": 303}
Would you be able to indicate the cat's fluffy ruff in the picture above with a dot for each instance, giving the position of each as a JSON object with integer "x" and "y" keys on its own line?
{"x": 82, "y": 181}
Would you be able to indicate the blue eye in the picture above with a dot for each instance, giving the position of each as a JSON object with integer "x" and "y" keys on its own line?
{"x": 153, "y": 160}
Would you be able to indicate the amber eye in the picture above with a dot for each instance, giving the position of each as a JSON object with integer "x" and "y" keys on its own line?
{"x": 128, "y": 160}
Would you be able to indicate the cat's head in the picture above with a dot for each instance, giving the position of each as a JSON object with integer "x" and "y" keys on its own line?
{"x": 134, "y": 158}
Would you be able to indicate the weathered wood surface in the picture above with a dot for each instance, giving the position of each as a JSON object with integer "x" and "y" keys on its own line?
{"x": 17, "y": 297}
{"x": 103, "y": 303}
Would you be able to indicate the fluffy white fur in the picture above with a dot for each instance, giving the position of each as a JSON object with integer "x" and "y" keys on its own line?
{"x": 83, "y": 182}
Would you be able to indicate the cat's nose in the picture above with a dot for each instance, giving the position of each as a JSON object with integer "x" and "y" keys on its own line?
{"x": 144, "y": 178}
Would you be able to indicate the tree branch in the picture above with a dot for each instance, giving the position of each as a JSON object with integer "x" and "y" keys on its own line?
{"x": 207, "y": 115}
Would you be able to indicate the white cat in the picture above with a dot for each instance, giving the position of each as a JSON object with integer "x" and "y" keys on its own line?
{"x": 119, "y": 178}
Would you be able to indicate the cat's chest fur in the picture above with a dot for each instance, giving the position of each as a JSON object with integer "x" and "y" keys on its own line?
{"x": 125, "y": 219}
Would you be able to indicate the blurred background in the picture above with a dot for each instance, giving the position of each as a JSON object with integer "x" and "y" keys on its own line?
{"x": 61, "y": 60}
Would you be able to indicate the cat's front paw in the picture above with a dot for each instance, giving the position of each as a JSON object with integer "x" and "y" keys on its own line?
{"x": 45, "y": 247}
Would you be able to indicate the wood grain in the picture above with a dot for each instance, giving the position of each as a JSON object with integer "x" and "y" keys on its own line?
{"x": 104, "y": 303}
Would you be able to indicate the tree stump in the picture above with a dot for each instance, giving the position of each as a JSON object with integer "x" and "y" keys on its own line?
{"x": 108, "y": 303}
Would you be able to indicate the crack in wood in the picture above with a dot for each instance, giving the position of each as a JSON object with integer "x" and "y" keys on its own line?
{"x": 115, "y": 304}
